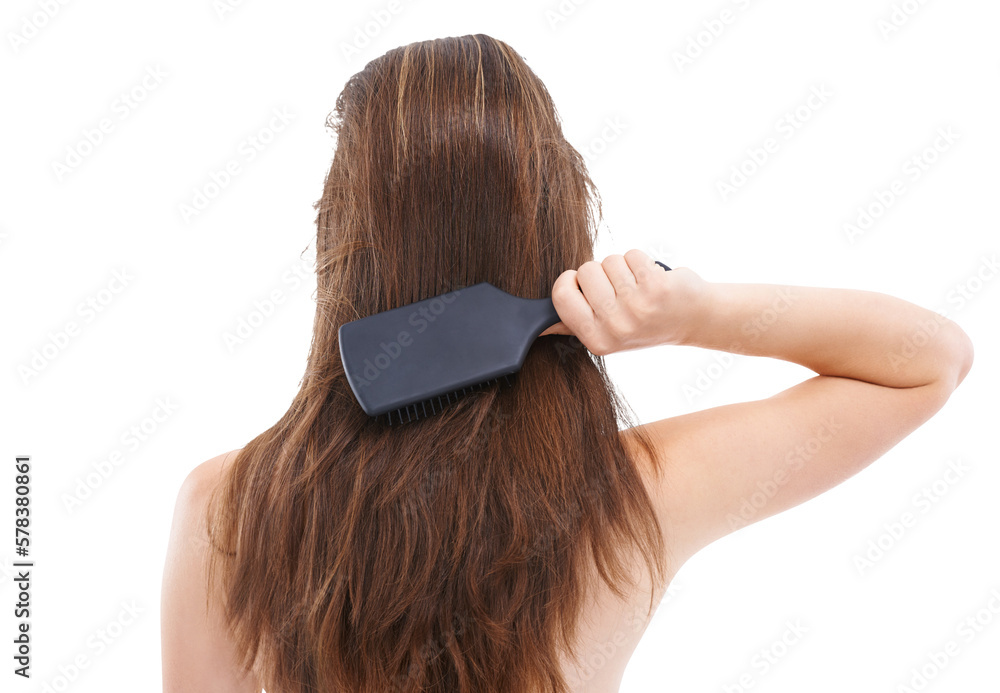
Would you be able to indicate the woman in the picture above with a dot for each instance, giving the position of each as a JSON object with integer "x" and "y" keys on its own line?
{"x": 519, "y": 540}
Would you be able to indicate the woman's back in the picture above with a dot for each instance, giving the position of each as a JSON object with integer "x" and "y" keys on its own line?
{"x": 609, "y": 629}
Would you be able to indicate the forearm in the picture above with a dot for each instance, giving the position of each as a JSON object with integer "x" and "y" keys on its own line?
{"x": 851, "y": 333}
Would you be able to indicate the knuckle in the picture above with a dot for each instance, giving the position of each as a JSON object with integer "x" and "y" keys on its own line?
{"x": 636, "y": 256}
{"x": 565, "y": 276}
{"x": 627, "y": 296}
{"x": 643, "y": 310}
{"x": 612, "y": 260}
{"x": 562, "y": 285}
{"x": 557, "y": 290}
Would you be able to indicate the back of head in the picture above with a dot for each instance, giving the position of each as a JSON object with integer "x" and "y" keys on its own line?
{"x": 451, "y": 553}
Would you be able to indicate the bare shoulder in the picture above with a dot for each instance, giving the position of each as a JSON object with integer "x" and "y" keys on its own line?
{"x": 197, "y": 650}
{"x": 207, "y": 475}
{"x": 197, "y": 488}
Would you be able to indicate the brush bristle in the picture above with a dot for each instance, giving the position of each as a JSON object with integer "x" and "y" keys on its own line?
{"x": 434, "y": 405}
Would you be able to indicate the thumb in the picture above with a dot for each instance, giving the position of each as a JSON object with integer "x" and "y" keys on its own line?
{"x": 558, "y": 328}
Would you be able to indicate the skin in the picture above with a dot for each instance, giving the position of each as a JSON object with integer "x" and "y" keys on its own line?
{"x": 197, "y": 653}
{"x": 714, "y": 458}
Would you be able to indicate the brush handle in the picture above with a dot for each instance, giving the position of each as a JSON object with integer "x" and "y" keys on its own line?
{"x": 423, "y": 350}
{"x": 543, "y": 311}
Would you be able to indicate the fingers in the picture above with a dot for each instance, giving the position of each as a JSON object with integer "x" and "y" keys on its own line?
{"x": 572, "y": 306}
{"x": 620, "y": 274}
{"x": 597, "y": 288}
{"x": 641, "y": 265}
{"x": 586, "y": 299}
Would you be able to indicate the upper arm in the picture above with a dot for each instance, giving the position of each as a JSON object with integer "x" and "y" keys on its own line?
{"x": 733, "y": 465}
{"x": 196, "y": 650}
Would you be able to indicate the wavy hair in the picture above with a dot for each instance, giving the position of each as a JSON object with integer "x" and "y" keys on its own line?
{"x": 450, "y": 553}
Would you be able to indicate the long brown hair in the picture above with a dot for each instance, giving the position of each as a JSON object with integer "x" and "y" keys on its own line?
{"x": 451, "y": 553}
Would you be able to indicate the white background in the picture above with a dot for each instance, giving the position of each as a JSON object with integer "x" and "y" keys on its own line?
{"x": 679, "y": 128}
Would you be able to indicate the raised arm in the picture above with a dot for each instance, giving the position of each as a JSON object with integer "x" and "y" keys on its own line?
{"x": 884, "y": 366}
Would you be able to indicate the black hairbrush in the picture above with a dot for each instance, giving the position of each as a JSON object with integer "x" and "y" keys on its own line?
{"x": 411, "y": 358}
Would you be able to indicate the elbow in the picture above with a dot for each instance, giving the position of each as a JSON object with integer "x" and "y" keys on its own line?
{"x": 953, "y": 362}
{"x": 966, "y": 355}
{"x": 960, "y": 355}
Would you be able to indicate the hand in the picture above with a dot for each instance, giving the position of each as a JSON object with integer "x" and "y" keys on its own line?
{"x": 627, "y": 302}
